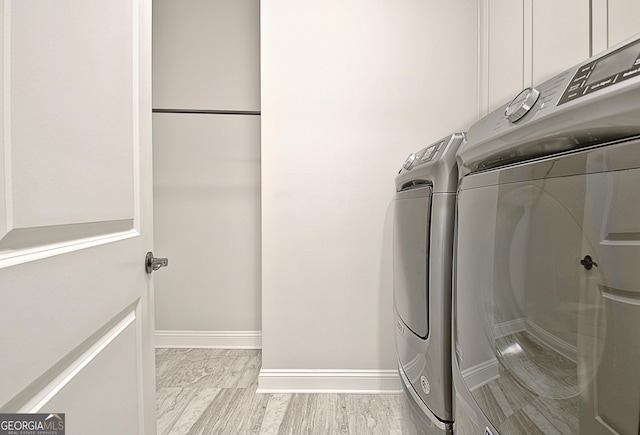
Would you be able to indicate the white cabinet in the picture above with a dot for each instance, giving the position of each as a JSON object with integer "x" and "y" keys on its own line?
{"x": 560, "y": 37}
{"x": 617, "y": 21}
{"x": 525, "y": 43}
{"x": 504, "y": 51}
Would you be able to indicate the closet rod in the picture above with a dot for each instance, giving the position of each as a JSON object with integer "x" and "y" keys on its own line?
{"x": 208, "y": 112}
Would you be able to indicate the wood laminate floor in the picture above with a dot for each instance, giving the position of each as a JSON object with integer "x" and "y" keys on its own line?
{"x": 213, "y": 391}
{"x": 536, "y": 392}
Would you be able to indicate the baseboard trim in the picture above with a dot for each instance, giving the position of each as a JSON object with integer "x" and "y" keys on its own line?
{"x": 557, "y": 344}
{"x": 209, "y": 339}
{"x": 481, "y": 374}
{"x": 511, "y": 327}
{"x": 329, "y": 381}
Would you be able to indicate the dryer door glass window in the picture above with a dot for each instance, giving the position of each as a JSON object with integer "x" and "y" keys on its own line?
{"x": 548, "y": 303}
{"x": 411, "y": 258}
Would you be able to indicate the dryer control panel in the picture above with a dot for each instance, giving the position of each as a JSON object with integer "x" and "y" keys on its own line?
{"x": 423, "y": 156}
{"x": 434, "y": 165}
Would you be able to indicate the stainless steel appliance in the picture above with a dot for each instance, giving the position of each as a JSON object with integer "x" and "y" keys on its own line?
{"x": 547, "y": 264}
{"x": 423, "y": 249}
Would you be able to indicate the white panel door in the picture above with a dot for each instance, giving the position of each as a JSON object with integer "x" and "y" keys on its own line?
{"x": 75, "y": 213}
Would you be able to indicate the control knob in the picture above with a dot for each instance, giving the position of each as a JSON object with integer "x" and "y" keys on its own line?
{"x": 408, "y": 164}
{"x": 521, "y": 104}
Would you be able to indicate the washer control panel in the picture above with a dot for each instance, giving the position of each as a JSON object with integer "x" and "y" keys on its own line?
{"x": 615, "y": 67}
{"x": 593, "y": 103}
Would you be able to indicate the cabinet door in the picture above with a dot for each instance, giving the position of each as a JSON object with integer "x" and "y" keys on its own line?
{"x": 505, "y": 51}
{"x": 622, "y": 20}
{"x": 560, "y": 37}
{"x": 529, "y": 42}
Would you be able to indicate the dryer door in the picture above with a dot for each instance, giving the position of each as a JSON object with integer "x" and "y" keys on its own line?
{"x": 411, "y": 258}
{"x": 547, "y": 301}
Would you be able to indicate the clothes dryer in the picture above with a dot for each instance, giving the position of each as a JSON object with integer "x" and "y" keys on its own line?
{"x": 547, "y": 284}
{"x": 423, "y": 248}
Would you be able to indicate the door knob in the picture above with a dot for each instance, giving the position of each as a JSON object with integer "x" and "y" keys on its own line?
{"x": 152, "y": 263}
{"x": 588, "y": 262}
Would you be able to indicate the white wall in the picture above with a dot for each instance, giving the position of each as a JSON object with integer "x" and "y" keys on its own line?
{"x": 207, "y": 219}
{"x": 348, "y": 90}
{"x": 206, "y": 54}
{"x": 207, "y": 172}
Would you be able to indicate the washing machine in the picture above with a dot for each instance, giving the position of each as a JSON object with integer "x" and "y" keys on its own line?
{"x": 424, "y": 215}
{"x": 547, "y": 263}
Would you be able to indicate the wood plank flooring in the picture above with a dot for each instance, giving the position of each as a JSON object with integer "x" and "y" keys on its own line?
{"x": 537, "y": 395}
{"x": 213, "y": 391}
